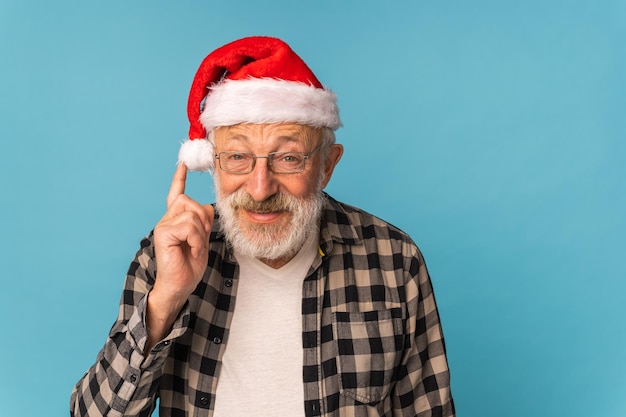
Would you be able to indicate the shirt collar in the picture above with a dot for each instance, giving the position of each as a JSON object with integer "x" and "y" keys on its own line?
{"x": 336, "y": 226}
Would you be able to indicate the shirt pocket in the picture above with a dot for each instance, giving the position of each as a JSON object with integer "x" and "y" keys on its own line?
{"x": 369, "y": 347}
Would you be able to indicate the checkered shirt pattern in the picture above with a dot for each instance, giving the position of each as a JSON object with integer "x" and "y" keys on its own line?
{"x": 371, "y": 335}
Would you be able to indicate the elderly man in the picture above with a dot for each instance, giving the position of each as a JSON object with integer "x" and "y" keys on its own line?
{"x": 278, "y": 300}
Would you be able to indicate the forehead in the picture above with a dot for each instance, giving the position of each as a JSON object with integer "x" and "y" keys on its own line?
{"x": 267, "y": 133}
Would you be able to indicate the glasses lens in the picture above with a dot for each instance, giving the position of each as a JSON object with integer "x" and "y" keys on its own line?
{"x": 287, "y": 162}
{"x": 236, "y": 161}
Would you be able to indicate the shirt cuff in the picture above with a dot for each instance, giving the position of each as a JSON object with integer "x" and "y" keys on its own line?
{"x": 137, "y": 328}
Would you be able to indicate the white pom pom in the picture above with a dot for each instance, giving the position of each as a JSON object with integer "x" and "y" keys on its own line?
{"x": 197, "y": 154}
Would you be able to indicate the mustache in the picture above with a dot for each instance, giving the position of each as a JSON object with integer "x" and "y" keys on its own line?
{"x": 274, "y": 203}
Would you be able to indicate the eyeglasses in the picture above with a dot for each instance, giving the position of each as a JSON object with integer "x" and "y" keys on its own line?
{"x": 278, "y": 162}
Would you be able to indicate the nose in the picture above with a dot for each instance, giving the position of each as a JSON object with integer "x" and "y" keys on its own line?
{"x": 261, "y": 182}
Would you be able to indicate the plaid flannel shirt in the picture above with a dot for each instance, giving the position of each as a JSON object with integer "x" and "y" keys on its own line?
{"x": 372, "y": 342}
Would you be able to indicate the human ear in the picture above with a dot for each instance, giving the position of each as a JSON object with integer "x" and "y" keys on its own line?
{"x": 332, "y": 159}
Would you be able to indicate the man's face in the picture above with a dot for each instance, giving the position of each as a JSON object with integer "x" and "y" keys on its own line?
{"x": 268, "y": 215}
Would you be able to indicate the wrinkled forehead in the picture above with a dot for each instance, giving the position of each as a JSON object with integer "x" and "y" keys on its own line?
{"x": 268, "y": 134}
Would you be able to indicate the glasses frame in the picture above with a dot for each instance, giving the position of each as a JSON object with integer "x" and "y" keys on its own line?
{"x": 269, "y": 157}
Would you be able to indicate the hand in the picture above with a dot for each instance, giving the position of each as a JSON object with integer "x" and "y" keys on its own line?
{"x": 181, "y": 240}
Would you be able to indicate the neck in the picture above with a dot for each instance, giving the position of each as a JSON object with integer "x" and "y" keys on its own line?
{"x": 277, "y": 263}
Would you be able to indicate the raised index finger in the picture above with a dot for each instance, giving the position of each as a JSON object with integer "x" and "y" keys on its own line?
{"x": 178, "y": 183}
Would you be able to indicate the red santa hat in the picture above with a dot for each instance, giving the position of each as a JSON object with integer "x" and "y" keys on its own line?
{"x": 252, "y": 80}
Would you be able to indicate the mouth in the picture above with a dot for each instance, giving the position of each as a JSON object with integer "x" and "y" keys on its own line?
{"x": 263, "y": 216}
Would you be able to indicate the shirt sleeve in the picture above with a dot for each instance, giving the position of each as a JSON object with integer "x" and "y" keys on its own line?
{"x": 122, "y": 381}
{"x": 423, "y": 384}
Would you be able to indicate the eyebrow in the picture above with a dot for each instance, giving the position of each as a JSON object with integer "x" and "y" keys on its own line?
{"x": 305, "y": 140}
{"x": 290, "y": 139}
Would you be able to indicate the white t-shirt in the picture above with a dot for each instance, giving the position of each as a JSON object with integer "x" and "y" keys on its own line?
{"x": 261, "y": 372}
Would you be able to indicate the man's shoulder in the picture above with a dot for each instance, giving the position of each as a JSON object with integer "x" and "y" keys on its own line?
{"x": 348, "y": 220}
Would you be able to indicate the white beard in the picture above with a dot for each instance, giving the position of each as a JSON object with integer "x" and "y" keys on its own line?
{"x": 267, "y": 241}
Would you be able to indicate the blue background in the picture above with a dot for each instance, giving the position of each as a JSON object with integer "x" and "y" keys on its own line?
{"x": 491, "y": 131}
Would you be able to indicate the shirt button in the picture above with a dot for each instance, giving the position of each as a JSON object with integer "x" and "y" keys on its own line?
{"x": 159, "y": 347}
{"x": 133, "y": 378}
{"x": 217, "y": 340}
{"x": 228, "y": 283}
{"x": 204, "y": 400}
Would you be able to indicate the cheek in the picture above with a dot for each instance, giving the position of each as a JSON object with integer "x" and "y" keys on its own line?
{"x": 304, "y": 186}
{"x": 299, "y": 185}
{"x": 226, "y": 184}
